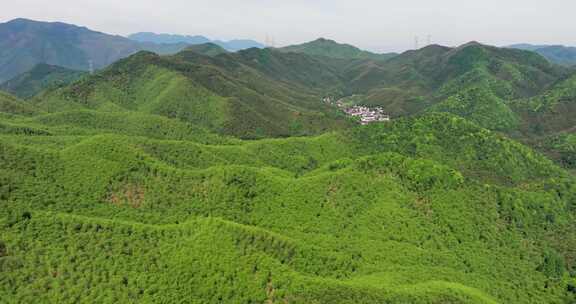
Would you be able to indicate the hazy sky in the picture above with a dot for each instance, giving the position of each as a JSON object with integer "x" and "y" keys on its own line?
{"x": 378, "y": 25}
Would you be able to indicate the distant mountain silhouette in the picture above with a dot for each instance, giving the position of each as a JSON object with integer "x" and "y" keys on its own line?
{"x": 25, "y": 43}
{"x": 232, "y": 45}
{"x": 560, "y": 54}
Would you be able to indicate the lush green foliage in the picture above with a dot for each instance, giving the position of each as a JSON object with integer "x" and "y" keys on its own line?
{"x": 330, "y": 48}
{"x": 561, "y": 147}
{"x": 208, "y": 49}
{"x": 220, "y": 93}
{"x": 119, "y": 189}
{"x": 426, "y": 210}
{"x": 551, "y": 111}
{"x": 41, "y": 77}
{"x": 564, "y": 55}
{"x": 12, "y": 105}
{"x": 480, "y": 106}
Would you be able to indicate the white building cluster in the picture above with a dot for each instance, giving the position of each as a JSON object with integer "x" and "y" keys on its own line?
{"x": 365, "y": 114}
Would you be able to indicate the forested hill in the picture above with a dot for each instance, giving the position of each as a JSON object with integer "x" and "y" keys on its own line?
{"x": 258, "y": 93}
{"x": 41, "y": 77}
{"x": 251, "y": 94}
{"x": 216, "y": 177}
{"x": 209, "y": 49}
{"x": 422, "y": 210}
{"x": 560, "y": 54}
{"x": 331, "y": 48}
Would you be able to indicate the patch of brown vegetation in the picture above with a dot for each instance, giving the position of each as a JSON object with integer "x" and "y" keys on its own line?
{"x": 129, "y": 194}
{"x": 423, "y": 205}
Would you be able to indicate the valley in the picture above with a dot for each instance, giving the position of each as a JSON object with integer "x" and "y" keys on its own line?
{"x": 364, "y": 114}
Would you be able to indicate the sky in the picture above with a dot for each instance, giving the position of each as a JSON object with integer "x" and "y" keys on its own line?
{"x": 376, "y": 25}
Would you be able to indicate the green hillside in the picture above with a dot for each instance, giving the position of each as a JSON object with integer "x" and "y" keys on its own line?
{"x": 548, "y": 120}
{"x": 552, "y": 110}
{"x": 480, "y": 105}
{"x": 208, "y": 49}
{"x": 218, "y": 93}
{"x": 508, "y": 73}
{"x": 41, "y": 77}
{"x": 10, "y": 104}
{"x": 561, "y": 147}
{"x": 206, "y": 177}
{"x": 496, "y": 88}
{"x": 559, "y": 54}
{"x": 424, "y": 210}
{"x": 330, "y": 48}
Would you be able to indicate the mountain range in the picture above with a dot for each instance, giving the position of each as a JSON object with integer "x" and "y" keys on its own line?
{"x": 210, "y": 176}
{"x": 564, "y": 55}
{"x": 25, "y": 43}
{"x": 251, "y": 93}
{"x": 231, "y": 45}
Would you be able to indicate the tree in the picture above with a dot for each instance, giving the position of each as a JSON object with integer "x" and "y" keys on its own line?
{"x": 3, "y": 250}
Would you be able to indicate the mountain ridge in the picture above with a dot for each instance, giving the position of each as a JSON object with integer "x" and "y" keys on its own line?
{"x": 62, "y": 44}
{"x": 40, "y": 77}
{"x": 220, "y": 92}
{"x": 230, "y": 45}
{"x": 559, "y": 54}
{"x": 331, "y": 48}
{"x": 235, "y": 177}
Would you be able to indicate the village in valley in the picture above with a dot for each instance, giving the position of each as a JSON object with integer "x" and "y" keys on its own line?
{"x": 365, "y": 114}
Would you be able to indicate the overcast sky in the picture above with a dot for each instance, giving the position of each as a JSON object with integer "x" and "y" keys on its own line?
{"x": 378, "y": 25}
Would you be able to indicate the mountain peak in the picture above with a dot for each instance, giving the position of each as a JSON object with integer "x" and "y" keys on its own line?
{"x": 329, "y": 48}
{"x": 21, "y": 20}
{"x": 324, "y": 40}
{"x": 25, "y": 21}
{"x": 472, "y": 43}
{"x": 208, "y": 49}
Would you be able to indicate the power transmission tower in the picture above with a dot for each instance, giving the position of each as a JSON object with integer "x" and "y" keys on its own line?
{"x": 416, "y": 43}
{"x": 429, "y": 40}
{"x": 270, "y": 41}
{"x": 91, "y": 66}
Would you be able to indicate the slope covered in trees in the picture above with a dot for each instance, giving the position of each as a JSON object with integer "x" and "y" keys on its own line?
{"x": 423, "y": 210}
{"x": 41, "y": 77}
{"x": 512, "y": 91}
{"x": 331, "y": 48}
{"x": 12, "y": 105}
{"x": 254, "y": 93}
{"x": 208, "y": 49}
{"x": 143, "y": 183}
{"x": 434, "y": 73}
{"x": 560, "y": 54}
